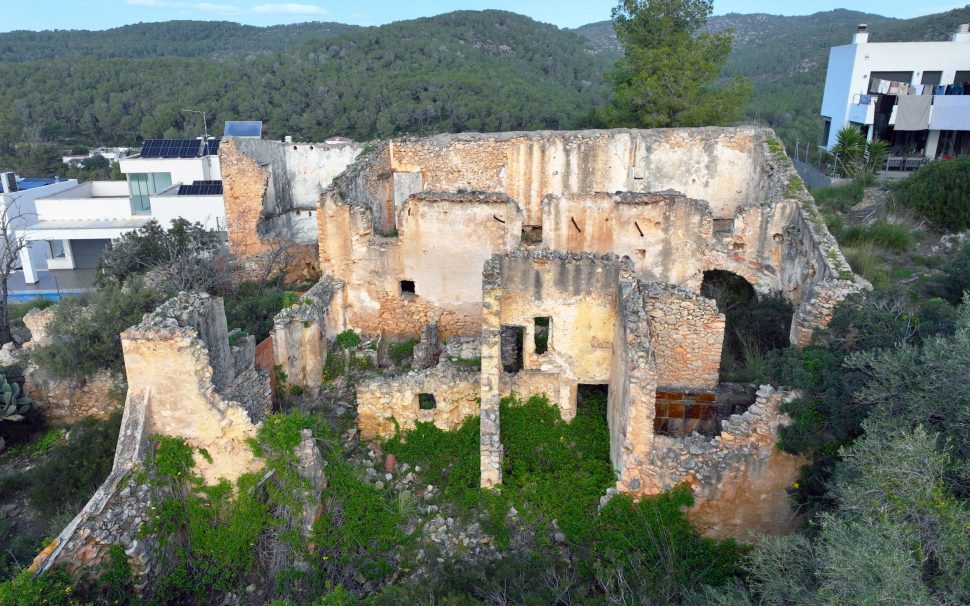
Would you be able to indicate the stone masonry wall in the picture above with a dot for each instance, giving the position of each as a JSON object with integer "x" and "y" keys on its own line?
{"x": 383, "y": 400}
{"x": 739, "y": 478}
{"x": 687, "y": 334}
{"x": 632, "y": 386}
{"x": 271, "y": 189}
{"x": 300, "y": 333}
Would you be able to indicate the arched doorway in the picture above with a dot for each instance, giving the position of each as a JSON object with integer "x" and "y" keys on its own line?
{"x": 755, "y": 325}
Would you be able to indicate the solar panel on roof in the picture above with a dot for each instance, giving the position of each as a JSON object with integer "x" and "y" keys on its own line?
{"x": 179, "y": 148}
{"x": 243, "y": 128}
{"x": 201, "y": 188}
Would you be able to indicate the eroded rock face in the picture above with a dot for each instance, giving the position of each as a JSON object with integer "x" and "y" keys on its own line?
{"x": 67, "y": 401}
{"x": 428, "y": 349}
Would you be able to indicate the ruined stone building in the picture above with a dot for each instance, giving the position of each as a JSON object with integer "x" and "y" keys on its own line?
{"x": 544, "y": 262}
{"x": 598, "y": 240}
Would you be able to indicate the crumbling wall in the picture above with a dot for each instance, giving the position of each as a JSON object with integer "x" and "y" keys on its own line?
{"x": 300, "y": 334}
{"x": 271, "y": 189}
{"x": 740, "y": 479}
{"x": 65, "y": 400}
{"x": 713, "y": 164}
{"x": 386, "y": 402}
{"x": 171, "y": 391}
{"x": 441, "y": 243}
{"x": 686, "y": 333}
{"x": 666, "y": 234}
{"x": 632, "y": 384}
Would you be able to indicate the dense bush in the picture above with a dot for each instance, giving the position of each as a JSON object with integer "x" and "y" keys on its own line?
{"x": 84, "y": 333}
{"x": 956, "y": 276}
{"x": 76, "y": 467}
{"x": 557, "y": 471}
{"x": 251, "y": 306}
{"x": 839, "y": 197}
{"x": 183, "y": 257}
{"x": 890, "y": 236}
{"x": 939, "y": 192}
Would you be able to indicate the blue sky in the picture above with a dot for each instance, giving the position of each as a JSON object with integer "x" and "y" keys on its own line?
{"x": 103, "y": 14}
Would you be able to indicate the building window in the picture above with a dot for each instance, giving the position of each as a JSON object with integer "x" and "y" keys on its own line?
{"x": 826, "y": 130}
{"x": 512, "y": 341}
{"x": 407, "y": 287}
{"x": 57, "y": 249}
{"x": 144, "y": 185}
{"x": 543, "y": 328}
{"x": 426, "y": 401}
{"x": 931, "y": 78}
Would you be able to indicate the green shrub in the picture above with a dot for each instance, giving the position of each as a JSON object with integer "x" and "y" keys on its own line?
{"x": 939, "y": 192}
{"x": 76, "y": 467}
{"x": 84, "y": 333}
{"x": 54, "y": 588}
{"x": 839, "y": 198}
{"x": 865, "y": 261}
{"x": 889, "y": 236}
{"x": 252, "y": 306}
{"x": 956, "y": 276}
{"x": 401, "y": 351}
{"x": 347, "y": 339}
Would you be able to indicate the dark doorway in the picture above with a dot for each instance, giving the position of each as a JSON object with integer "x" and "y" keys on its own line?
{"x": 513, "y": 340}
{"x": 754, "y": 325}
{"x": 591, "y": 400}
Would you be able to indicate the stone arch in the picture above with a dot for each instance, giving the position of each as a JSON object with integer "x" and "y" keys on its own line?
{"x": 755, "y": 321}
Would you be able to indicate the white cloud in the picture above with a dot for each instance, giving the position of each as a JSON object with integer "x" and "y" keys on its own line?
{"x": 204, "y": 7}
{"x": 289, "y": 8}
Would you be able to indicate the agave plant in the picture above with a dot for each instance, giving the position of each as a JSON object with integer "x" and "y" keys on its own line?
{"x": 13, "y": 404}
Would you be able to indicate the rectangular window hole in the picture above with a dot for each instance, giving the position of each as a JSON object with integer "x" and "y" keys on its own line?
{"x": 543, "y": 326}
{"x": 723, "y": 226}
{"x": 407, "y": 287}
{"x": 426, "y": 401}
{"x": 641, "y": 254}
{"x": 513, "y": 339}
{"x": 532, "y": 234}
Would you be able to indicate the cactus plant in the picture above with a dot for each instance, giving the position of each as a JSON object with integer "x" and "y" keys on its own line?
{"x": 13, "y": 404}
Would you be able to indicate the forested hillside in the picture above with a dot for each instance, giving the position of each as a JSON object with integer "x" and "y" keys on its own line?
{"x": 462, "y": 71}
{"x": 466, "y": 70}
{"x": 171, "y": 38}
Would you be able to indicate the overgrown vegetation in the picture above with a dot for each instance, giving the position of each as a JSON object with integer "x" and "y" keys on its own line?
{"x": 251, "y": 306}
{"x": 939, "y": 192}
{"x": 84, "y": 333}
{"x": 554, "y": 473}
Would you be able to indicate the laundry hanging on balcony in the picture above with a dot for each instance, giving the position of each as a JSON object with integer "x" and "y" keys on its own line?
{"x": 913, "y": 113}
{"x": 950, "y": 112}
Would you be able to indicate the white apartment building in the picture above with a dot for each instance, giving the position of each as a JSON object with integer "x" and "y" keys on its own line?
{"x": 167, "y": 180}
{"x": 909, "y": 94}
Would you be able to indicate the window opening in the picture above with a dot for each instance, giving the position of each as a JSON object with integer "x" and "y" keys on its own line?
{"x": 543, "y": 326}
{"x": 531, "y": 234}
{"x": 407, "y": 287}
{"x": 512, "y": 338}
{"x": 426, "y": 401}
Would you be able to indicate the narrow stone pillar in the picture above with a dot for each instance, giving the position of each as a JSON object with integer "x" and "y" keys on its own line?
{"x": 491, "y": 444}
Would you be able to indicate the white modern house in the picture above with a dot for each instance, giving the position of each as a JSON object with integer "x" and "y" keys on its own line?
{"x": 18, "y": 207}
{"x": 909, "y": 94}
{"x": 166, "y": 181}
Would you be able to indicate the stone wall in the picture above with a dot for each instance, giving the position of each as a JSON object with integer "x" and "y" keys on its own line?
{"x": 67, "y": 401}
{"x": 271, "y": 190}
{"x": 174, "y": 360}
{"x": 169, "y": 357}
{"x": 440, "y": 244}
{"x": 714, "y": 164}
{"x": 300, "y": 332}
{"x": 384, "y": 401}
{"x": 666, "y": 234}
{"x": 687, "y": 334}
{"x": 740, "y": 479}
{"x": 633, "y": 384}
